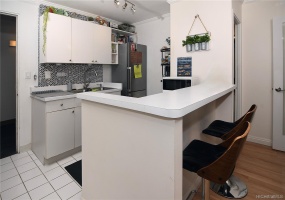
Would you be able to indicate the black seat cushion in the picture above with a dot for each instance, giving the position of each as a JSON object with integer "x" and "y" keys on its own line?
{"x": 218, "y": 128}
{"x": 199, "y": 154}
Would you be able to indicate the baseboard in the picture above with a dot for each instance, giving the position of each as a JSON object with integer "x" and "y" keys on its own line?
{"x": 25, "y": 148}
{"x": 259, "y": 140}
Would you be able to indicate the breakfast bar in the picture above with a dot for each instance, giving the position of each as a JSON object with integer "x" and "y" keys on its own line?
{"x": 132, "y": 147}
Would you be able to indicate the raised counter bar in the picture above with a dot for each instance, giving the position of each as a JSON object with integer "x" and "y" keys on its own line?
{"x": 132, "y": 147}
{"x": 170, "y": 104}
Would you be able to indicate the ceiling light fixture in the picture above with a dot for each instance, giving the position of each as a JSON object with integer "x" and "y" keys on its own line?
{"x": 133, "y": 9}
{"x": 117, "y": 2}
{"x": 126, "y": 4}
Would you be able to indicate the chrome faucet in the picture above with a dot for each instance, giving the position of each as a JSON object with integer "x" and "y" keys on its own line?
{"x": 85, "y": 84}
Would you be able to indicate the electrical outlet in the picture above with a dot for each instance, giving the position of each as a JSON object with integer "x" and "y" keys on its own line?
{"x": 28, "y": 75}
{"x": 47, "y": 75}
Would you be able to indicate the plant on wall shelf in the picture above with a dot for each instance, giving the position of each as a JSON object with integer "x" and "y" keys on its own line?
{"x": 188, "y": 43}
{"x": 45, "y": 19}
{"x": 204, "y": 39}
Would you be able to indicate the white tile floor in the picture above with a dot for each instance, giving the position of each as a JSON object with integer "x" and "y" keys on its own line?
{"x": 23, "y": 177}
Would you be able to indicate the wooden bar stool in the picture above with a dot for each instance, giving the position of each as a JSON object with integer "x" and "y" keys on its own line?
{"x": 215, "y": 163}
{"x": 234, "y": 187}
{"x": 219, "y": 128}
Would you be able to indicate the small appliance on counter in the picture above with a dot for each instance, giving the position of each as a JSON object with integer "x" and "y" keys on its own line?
{"x": 175, "y": 83}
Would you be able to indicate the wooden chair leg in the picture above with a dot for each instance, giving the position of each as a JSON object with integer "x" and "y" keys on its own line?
{"x": 207, "y": 189}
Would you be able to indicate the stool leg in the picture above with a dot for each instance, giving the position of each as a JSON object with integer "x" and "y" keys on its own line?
{"x": 207, "y": 190}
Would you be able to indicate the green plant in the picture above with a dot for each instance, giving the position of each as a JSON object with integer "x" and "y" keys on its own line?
{"x": 205, "y": 38}
{"x": 189, "y": 40}
{"x": 90, "y": 19}
{"x": 197, "y": 39}
{"x": 45, "y": 19}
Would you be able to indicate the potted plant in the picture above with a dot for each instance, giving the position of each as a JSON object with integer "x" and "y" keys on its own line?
{"x": 205, "y": 41}
{"x": 197, "y": 41}
{"x": 188, "y": 43}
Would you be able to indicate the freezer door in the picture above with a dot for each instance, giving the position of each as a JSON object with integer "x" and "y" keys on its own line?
{"x": 137, "y": 84}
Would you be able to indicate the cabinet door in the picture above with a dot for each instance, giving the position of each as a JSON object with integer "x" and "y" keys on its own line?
{"x": 58, "y": 39}
{"x": 103, "y": 48}
{"x": 77, "y": 124}
{"x": 59, "y": 132}
{"x": 83, "y": 44}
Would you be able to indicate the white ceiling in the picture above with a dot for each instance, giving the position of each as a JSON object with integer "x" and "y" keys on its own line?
{"x": 145, "y": 9}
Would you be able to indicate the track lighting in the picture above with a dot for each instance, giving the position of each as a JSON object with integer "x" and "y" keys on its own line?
{"x": 133, "y": 9}
{"x": 125, "y": 5}
{"x": 117, "y": 2}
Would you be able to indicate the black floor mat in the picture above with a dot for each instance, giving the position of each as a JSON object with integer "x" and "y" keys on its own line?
{"x": 75, "y": 170}
{"x": 7, "y": 138}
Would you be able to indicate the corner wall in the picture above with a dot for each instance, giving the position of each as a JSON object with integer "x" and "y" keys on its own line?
{"x": 217, "y": 16}
{"x": 153, "y": 34}
{"x": 257, "y": 65}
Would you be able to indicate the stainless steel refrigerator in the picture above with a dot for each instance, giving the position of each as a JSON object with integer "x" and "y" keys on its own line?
{"x": 132, "y": 69}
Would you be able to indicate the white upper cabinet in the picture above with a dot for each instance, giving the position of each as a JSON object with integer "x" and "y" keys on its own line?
{"x": 71, "y": 40}
{"x": 58, "y": 39}
{"x": 103, "y": 49}
{"x": 83, "y": 40}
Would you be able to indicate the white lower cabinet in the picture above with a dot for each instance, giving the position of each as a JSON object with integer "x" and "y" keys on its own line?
{"x": 59, "y": 132}
{"x": 56, "y": 127}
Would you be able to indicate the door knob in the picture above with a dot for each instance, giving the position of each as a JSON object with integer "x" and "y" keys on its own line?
{"x": 279, "y": 90}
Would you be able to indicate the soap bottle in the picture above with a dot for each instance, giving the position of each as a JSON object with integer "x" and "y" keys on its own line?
{"x": 69, "y": 86}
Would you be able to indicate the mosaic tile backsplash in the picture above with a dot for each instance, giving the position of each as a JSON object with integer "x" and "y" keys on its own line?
{"x": 73, "y": 72}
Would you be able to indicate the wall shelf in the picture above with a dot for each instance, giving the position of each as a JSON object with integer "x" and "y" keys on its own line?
{"x": 114, "y": 30}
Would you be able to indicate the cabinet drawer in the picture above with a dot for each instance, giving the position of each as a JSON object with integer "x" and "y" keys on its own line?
{"x": 60, "y": 105}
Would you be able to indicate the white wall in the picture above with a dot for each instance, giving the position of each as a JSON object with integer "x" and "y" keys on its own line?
{"x": 217, "y": 16}
{"x": 27, "y": 48}
{"x": 153, "y": 33}
{"x": 257, "y": 65}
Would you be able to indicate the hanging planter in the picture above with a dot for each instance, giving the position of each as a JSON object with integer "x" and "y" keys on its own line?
{"x": 197, "y": 42}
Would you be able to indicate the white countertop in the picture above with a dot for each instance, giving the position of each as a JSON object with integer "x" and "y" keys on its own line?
{"x": 116, "y": 86}
{"x": 170, "y": 104}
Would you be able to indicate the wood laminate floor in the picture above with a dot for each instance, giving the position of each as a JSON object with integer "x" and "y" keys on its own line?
{"x": 263, "y": 171}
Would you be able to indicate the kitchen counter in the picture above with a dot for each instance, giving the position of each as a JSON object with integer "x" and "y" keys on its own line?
{"x": 173, "y": 104}
{"x": 117, "y": 87}
{"x": 134, "y": 145}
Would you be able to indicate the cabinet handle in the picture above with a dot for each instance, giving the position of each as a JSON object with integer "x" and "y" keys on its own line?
{"x": 73, "y": 111}
{"x": 61, "y": 104}
{"x": 70, "y": 60}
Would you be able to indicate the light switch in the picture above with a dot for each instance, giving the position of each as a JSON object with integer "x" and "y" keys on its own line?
{"x": 47, "y": 75}
{"x": 28, "y": 75}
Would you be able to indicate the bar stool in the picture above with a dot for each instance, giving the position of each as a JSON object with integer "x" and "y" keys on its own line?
{"x": 234, "y": 187}
{"x": 219, "y": 128}
{"x": 215, "y": 163}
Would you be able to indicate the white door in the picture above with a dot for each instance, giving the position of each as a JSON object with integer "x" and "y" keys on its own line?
{"x": 103, "y": 47}
{"x": 83, "y": 44}
{"x": 279, "y": 83}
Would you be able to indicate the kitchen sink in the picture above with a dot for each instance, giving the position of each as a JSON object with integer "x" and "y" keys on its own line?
{"x": 91, "y": 89}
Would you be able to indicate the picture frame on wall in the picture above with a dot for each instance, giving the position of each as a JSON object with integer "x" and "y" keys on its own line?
{"x": 184, "y": 66}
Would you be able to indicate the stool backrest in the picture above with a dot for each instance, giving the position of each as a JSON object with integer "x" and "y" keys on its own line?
{"x": 246, "y": 118}
{"x": 248, "y": 115}
{"x": 221, "y": 169}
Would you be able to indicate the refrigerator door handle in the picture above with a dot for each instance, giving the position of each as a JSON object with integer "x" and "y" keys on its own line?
{"x": 129, "y": 82}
